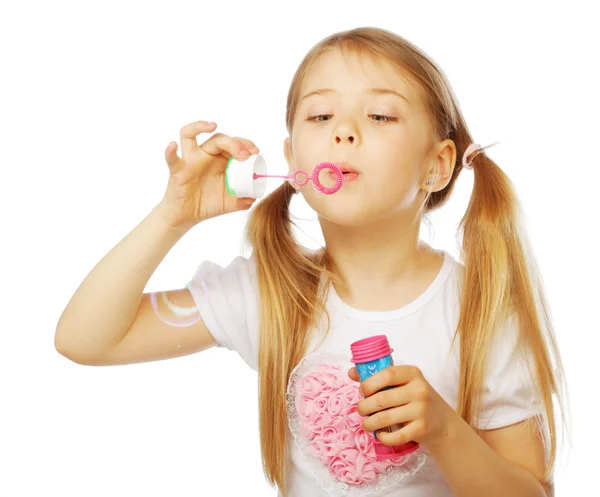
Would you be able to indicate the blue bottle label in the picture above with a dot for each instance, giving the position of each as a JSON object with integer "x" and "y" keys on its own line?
{"x": 368, "y": 369}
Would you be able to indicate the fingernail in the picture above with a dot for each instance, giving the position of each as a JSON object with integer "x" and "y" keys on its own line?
{"x": 243, "y": 153}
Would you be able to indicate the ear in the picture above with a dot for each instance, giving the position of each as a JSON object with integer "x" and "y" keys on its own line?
{"x": 443, "y": 166}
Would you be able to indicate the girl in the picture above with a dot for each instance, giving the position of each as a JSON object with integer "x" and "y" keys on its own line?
{"x": 474, "y": 346}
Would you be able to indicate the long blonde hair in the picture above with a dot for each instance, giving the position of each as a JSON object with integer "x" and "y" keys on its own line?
{"x": 500, "y": 275}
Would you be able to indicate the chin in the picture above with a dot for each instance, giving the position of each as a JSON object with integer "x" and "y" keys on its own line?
{"x": 344, "y": 215}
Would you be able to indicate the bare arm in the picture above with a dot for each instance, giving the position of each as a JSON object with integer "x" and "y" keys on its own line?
{"x": 109, "y": 320}
{"x": 490, "y": 465}
{"x": 106, "y": 303}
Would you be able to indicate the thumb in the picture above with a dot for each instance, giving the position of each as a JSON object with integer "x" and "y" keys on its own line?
{"x": 353, "y": 374}
{"x": 233, "y": 204}
{"x": 173, "y": 160}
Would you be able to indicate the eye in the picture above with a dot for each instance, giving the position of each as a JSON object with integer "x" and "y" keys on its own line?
{"x": 385, "y": 118}
{"x": 316, "y": 118}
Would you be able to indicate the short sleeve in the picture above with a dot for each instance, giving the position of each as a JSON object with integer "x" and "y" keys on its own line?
{"x": 226, "y": 298}
{"x": 509, "y": 393}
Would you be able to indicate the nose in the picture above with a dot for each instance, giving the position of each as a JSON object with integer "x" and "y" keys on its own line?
{"x": 340, "y": 137}
{"x": 346, "y": 132}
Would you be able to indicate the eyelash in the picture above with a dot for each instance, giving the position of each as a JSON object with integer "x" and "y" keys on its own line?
{"x": 387, "y": 118}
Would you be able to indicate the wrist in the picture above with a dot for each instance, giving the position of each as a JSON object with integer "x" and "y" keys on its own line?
{"x": 168, "y": 225}
{"x": 449, "y": 437}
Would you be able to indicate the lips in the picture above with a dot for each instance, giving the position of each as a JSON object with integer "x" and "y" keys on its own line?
{"x": 345, "y": 167}
{"x": 348, "y": 171}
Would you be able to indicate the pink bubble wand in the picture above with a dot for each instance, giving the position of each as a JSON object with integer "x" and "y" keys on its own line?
{"x": 339, "y": 177}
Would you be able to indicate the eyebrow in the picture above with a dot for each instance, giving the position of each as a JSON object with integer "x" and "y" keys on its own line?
{"x": 377, "y": 91}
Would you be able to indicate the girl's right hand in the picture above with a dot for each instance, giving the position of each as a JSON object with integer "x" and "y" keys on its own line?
{"x": 196, "y": 190}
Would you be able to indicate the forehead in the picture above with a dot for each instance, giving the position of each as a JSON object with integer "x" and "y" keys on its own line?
{"x": 351, "y": 71}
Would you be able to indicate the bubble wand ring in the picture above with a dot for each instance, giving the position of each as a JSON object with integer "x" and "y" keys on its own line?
{"x": 339, "y": 177}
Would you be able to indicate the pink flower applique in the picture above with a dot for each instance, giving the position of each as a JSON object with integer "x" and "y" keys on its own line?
{"x": 326, "y": 403}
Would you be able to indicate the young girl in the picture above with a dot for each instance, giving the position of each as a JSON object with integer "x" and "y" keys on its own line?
{"x": 473, "y": 380}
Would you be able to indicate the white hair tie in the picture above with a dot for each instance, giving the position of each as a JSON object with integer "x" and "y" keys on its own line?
{"x": 470, "y": 149}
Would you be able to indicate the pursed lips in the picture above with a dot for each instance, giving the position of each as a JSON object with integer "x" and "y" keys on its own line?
{"x": 348, "y": 171}
{"x": 345, "y": 167}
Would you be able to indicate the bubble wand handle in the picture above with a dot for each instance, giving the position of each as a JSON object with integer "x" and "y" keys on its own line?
{"x": 339, "y": 177}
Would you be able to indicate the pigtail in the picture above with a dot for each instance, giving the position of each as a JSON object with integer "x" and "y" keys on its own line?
{"x": 501, "y": 279}
{"x": 289, "y": 280}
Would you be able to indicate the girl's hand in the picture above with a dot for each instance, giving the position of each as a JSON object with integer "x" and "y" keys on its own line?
{"x": 196, "y": 190}
{"x": 413, "y": 402}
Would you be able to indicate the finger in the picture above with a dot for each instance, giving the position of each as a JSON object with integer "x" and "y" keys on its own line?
{"x": 385, "y": 399}
{"x": 389, "y": 417}
{"x": 233, "y": 204}
{"x": 249, "y": 144}
{"x": 353, "y": 374}
{"x": 246, "y": 203}
{"x": 392, "y": 376}
{"x": 403, "y": 436}
{"x": 188, "y": 134}
{"x": 171, "y": 156}
{"x": 220, "y": 144}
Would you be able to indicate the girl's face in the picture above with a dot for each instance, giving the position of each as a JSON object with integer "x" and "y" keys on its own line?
{"x": 367, "y": 116}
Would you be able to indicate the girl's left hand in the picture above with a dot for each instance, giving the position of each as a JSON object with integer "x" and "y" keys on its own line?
{"x": 412, "y": 401}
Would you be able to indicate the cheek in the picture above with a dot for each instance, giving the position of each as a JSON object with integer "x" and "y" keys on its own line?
{"x": 306, "y": 154}
{"x": 394, "y": 172}
{"x": 394, "y": 180}
{"x": 396, "y": 144}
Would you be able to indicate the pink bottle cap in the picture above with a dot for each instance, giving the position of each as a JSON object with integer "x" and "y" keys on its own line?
{"x": 370, "y": 349}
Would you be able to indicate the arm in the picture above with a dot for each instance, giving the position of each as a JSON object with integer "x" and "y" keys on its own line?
{"x": 107, "y": 301}
{"x": 511, "y": 463}
{"x": 501, "y": 462}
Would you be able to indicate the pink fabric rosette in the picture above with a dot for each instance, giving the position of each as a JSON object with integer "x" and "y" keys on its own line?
{"x": 327, "y": 427}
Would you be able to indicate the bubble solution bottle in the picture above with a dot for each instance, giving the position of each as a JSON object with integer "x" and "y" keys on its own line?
{"x": 371, "y": 355}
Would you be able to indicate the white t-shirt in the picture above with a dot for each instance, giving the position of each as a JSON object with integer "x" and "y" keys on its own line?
{"x": 419, "y": 333}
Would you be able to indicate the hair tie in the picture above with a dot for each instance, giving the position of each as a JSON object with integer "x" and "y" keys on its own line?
{"x": 470, "y": 149}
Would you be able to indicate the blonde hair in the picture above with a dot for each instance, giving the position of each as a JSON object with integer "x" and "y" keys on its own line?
{"x": 501, "y": 278}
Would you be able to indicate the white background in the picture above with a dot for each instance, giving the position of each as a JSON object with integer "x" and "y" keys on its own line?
{"x": 92, "y": 93}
